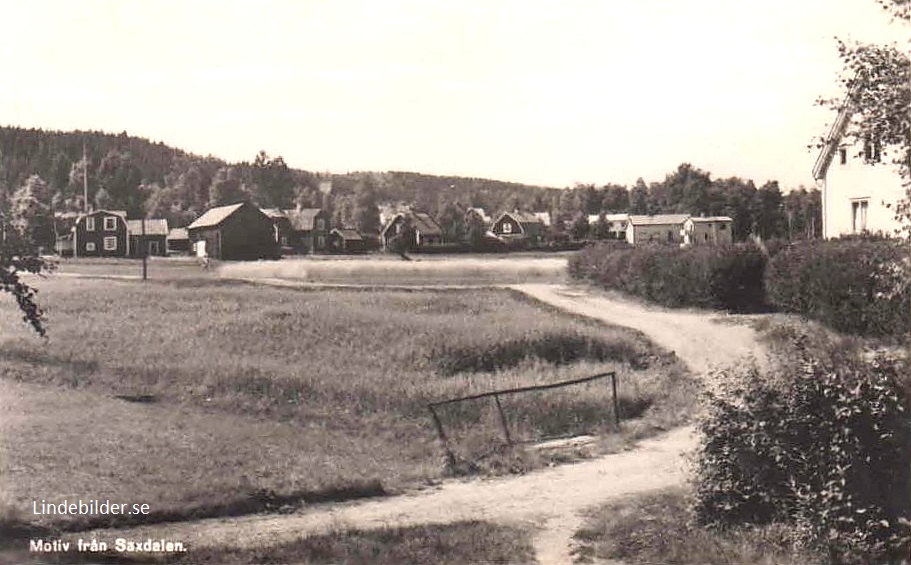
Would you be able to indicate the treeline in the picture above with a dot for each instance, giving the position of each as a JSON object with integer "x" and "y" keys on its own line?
{"x": 47, "y": 171}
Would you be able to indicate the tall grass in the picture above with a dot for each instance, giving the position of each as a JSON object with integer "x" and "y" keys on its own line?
{"x": 265, "y": 390}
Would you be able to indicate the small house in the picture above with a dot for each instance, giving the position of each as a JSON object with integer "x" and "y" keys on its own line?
{"x": 102, "y": 233}
{"x": 178, "y": 241}
{"x": 615, "y": 225}
{"x": 150, "y": 238}
{"x": 711, "y": 230}
{"x": 346, "y": 240}
{"x": 425, "y": 231}
{"x": 663, "y": 228}
{"x": 518, "y": 228}
{"x": 236, "y": 232}
{"x": 309, "y": 229}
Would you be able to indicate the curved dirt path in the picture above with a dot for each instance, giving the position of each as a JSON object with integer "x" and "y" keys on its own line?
{"x": 550, "y": 501}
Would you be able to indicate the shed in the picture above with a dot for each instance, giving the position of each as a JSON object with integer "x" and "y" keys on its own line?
{"x": 152, "y": 241}
{"x": 178, "y": 241}
{"x": 346, "y": 240}
{"x": 236, "y": 232}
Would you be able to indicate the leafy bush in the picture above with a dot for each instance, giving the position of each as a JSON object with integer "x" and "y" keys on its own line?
{"x": 859, "y": 286}
{"x": 719, "y": 276}
{"x": 823, "y": 443}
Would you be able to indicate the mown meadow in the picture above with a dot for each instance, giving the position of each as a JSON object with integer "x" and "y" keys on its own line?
{"x": 206, "y": 397}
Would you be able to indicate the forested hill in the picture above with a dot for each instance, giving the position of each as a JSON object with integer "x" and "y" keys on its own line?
{"x": 150, "y": 178}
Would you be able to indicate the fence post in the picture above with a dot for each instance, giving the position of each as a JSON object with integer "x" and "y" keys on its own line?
{"x": 613, "y": 382}
{"x": 496, "y": 398}
{"x": 436, "y": 420}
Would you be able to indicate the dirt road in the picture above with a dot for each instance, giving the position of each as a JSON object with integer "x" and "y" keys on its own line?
{"x": 550, "y": 500}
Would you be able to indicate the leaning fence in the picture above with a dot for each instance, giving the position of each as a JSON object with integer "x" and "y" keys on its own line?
{"x": 531, "y": 413}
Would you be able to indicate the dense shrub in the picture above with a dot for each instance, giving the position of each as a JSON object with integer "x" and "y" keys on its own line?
{"x": 859, "y": 286}
{"x": 719, "y": 276}
{"x": 822, "y": 442}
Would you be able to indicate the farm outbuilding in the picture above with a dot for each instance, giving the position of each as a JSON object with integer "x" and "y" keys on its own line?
{"x": 178, "y": 241}
{"x": 153, "y": 240}
{"x": 346, "y": 240}
{"x": 237, "y": 232}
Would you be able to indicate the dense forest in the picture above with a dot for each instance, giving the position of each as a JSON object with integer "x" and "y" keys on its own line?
{"x": 43, "y": 172}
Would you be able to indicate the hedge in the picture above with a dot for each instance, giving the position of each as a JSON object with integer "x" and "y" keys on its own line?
{"x": 856, "y": 286}
{"x": 726, "y": 277}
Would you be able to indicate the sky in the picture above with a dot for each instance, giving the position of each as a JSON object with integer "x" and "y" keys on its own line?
{"x": 551, "y": 93}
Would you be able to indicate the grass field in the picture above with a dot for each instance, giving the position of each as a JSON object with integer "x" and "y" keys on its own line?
{"x": 254, "y": 397}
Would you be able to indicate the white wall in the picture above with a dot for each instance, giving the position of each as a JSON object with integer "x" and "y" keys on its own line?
{"x": 844, "y": 184}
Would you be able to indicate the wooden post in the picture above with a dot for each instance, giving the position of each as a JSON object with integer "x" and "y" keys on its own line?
{"x": 496, "y": 398}
{"x": 613, "y": 381}
{"x": 143, "y": 248}
{"x": 439, "y": 425}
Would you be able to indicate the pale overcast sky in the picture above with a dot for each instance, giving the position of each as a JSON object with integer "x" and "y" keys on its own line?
{"x": 543, "y": 92}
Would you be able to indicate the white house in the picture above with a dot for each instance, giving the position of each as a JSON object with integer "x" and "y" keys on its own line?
{"x": 860, "y": 186}
{"x": 661, "y": 228}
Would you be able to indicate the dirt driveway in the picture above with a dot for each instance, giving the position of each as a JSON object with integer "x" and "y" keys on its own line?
{"x": 551, "y": 500}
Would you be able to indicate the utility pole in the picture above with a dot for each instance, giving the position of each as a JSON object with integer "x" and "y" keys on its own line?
{"x": 143, "y": 248}
{"x": 85, "y": 180}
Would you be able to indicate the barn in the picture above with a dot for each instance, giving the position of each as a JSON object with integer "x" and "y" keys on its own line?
{"x": 237, "y": 232}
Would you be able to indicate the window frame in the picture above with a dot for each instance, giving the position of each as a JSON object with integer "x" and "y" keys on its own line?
{"x": 107, "y": 239}
{"x": 90, "y": 223}
{"x": 113, "y": 223}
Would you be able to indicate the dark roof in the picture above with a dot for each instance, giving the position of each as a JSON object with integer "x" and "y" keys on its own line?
{"x": 521, "y": 217}
{"x": 179, "y": 233}
{"x": 659, "y": 220}
{"x": 423, "y": 223}
{"x": 303, "y": 219}
{"x": 348, "y": 234}
{"x": 215, "y": 216}
{"x": 153, "y": 227}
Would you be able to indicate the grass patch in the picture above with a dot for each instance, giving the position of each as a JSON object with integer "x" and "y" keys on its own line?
{"x": 265, "y": 393}
{"x": 660, "y": 528}
{"x": 449, "y": 544}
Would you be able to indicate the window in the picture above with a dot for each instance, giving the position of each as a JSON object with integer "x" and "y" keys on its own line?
{"x": 90, "y": 225}
{"x": 320, "y": 224}
{"x": 110, "y": 243}
{"x": 843, "y": 155}
{"x": 507, "y": 227}
{"x": 859, "y": 215}
{"x": 670, "y": 235}
{"x": 90, "y": 246}
{"x": 110, "y": 223}
{"x": 872, "y": 150}
{"x": 722, "y": 227}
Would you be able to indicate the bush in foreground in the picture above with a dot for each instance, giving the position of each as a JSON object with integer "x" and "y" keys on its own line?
{"x": 858, "y": 286}
{"x": 726, "y": 277}
{"x": 822, "y": 443}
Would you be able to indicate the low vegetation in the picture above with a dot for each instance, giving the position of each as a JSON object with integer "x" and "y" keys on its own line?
{"x": 204, "y": 397}
{"x": 662, "y": 528}
{"x": 856, "y": 286}
{"x": 859, "y": 286}
{"x": 718, "y": 276}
